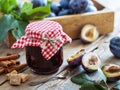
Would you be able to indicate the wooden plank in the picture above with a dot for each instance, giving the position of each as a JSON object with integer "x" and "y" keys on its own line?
{"x": 106, "y": 57}
{"x": 69, "y": 49}
{"x": 72, "y": 24}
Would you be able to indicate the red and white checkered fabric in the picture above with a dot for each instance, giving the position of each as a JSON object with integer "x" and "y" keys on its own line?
{"x": 46, "y": 34}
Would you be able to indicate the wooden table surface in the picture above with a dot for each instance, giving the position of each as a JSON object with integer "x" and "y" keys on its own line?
{"x": 69, "y": 49}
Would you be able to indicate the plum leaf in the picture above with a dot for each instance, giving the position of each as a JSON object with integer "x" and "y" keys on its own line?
{"x": 30, "y": 13}
{"x": 16, "y": 19}
{"x": 86, "y": 82}
{"x": 5, "y": 25}
{"x": 116, "y": 87}
{"x": 101, "y": 74}
{"x": 90, "y": 86}
{"x": 18, "y": 28}
{"x": 81, "y": 79}
{"x": 6, "y": 6}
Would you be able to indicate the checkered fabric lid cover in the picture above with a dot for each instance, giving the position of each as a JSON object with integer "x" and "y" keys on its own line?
{"x": 46, "y": 34}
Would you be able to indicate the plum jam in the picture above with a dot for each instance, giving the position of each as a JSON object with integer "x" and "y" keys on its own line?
{"x": 43, "y": 41}
{"x": 39, "y": 64}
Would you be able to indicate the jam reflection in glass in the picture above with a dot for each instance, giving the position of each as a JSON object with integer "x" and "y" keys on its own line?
{"x": 39, "y": 64}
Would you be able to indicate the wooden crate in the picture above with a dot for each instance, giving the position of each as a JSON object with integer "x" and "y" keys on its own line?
{"x": 72, "y": 24}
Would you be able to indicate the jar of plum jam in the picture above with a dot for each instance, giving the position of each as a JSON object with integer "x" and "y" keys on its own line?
{"x": 39, "y": 64}
{"x": 43, "y": 42}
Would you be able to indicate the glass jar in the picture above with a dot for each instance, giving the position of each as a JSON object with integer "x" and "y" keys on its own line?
{"x": 44, "y": 42}
{"x": 39, "y": 64}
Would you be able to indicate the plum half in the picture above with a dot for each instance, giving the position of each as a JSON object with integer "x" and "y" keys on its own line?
{"x": 89, "y": 33}
{"x": 75, "y": 60}
{"x": 112, "y": 72}
{"x": 90, "y": 62}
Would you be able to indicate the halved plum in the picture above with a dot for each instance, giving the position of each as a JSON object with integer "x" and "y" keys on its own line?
{"x": 75, "y": 60}
{"x": 90, "y": 62}
{"x": 112, "y": 72}
{"x": 89, "y": 33}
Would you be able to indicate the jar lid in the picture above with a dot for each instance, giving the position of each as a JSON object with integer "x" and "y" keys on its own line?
{"x": 47, "y": 34}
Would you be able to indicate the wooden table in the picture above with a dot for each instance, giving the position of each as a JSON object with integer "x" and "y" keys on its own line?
{"x": 69, "y": 49}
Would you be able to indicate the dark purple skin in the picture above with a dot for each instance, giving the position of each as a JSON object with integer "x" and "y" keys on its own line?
{"x": 65, "y": 12}
{"x": 113, "y": 79}
{"x": 115, "y": 46}
{"x": 76, "y": 62}
{"x": 115, "y": 50}
{"x": 64, "y": 4}
{"x": 52, "y": 14}
{"x": 37, "y": 3}
{"x": 55, "y": 7}
{"x": 84, "y": 41}
{"x": 78, "y": 6}
{"x": 87, "y": 69}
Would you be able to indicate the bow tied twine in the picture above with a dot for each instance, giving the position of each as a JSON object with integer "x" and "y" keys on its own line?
{"x": 52, "y": 40}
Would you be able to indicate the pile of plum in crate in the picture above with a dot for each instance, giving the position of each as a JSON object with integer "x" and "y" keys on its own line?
{"x": 67, "y": 7}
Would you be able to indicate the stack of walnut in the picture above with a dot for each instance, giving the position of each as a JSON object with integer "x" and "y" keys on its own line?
{"x": 9, "y": 64}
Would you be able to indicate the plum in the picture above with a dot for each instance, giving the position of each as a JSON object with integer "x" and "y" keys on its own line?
{"x": 55, "y": 7}
{"x": 78, "y": 5}
{"x": 90, "y": 62}
{"x": 75, "y": 60}
{"x": 84, "y": 5}
{"x": 65, "y": 12}
{"x": 115, "y": 40}
{"x": 37, "y": 3}
{"x": 89, "y": 33}
{"x": 64, "y": 3}
{"x": 52, "y": 14}
{"x": 115, "y": 51}
{"x": 90, "y": 2}
{"x": 115, "y": 46}
{"x": 112, "y": 72}
{"x": 91, "y": 8}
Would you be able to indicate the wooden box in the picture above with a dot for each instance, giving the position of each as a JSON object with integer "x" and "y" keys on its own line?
{"x": 72, "y": 24}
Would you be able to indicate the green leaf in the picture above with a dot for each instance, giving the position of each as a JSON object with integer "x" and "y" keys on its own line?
{"x": 16, "y": 15}
{"x": 101, "y": 74}
{"x": 22, "y": 26}
{"x": 26, "y": 8}
{"x": 12, "y": 5}
{"x": 91, "y": 86}
{"x": 103, "y": 83}
{"x": 30, "y": 13}
{"x": 86, "y": 83}
{"x": 81, "y": 79}
{"x": 7, "y": 22}
{"x": 43, "y": 12}
{"x": 88, "y": 86}
{"x": 0, "y": 6}
{"x": 5, "y": 25}
{"x": 16, "y": 18}
{"x": 18, "y": 28}
{"x": 116, "y": 87}
{"x": 7, "y": 6}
